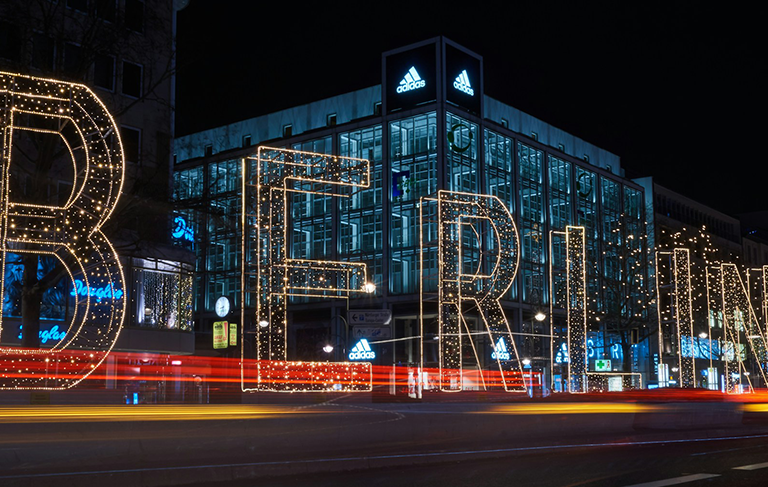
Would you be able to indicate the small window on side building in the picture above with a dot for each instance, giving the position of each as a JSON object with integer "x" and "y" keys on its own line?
{"x": 505, "y": 123}
{"x": 105, "y": 9}
{"x": 131, "y": 79}
{"x": 246, "y": 140}
{"x": 131, "y": 144}
{"x": 134, "y": 15}
{"x": 330, "y": 120}
{"x": 73, "y": 60}
{"x": 287, "y": 130}
{"x": 43, "y": 52}
{"x": 208, "y": 150}
{"x": 104, "y": 72}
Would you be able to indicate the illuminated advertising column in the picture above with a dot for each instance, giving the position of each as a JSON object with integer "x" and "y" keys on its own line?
{"x": 71, "y": 233}
{"x": 460, "y": 289}
{"x": 270, "y": 276}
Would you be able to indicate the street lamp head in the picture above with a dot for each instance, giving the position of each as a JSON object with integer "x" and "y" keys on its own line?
{"x": 263, "y": 323}
{"x": 526, "y": 361}
{"x": 540, "y": 316}
{"x": 369, "y": 287}
{"x": 328, "y": 348}
{"x": 702, "y": 335}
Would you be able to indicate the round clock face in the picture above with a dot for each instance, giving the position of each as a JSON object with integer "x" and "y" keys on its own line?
{"x": 222, "y": 306}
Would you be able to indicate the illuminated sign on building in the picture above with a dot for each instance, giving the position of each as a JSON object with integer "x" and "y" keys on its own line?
{"x": 233, "y": 334}
{"x": 411, "y": 81}
{"x": 182, "y": 230}
{"x": 463, "y": 79}
{"x": 562, "y": 354}
{"x": 500, "y": 350}
{"x": 410, "y": 78}
{"x": 53, "y": 334}
{"x": 362, "y": 351}
{"x": 107, "y": 292}
{"x": 594, "y": 349}
{"x": 461, "y": 83}
{"x": 220, "y": 336}
{"x": 602, "y": 365}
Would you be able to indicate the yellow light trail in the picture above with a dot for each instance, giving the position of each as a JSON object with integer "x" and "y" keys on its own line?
{"x": 574, "y": 408}
{"x": 149, "y": 412}
{"x": 756, "y": 407}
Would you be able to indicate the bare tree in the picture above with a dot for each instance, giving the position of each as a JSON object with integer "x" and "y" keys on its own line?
{"x": 126, "y": 53}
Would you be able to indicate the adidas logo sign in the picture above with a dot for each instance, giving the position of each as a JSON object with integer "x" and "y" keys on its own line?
{"x": 362, "y": 351}
{"x": 412, "y": 81}
{"x": 462, "y": 84}
{"x": 501, "y": 352}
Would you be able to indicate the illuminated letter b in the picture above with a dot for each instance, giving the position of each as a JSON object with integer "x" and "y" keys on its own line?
{"x": 70, "y": 233}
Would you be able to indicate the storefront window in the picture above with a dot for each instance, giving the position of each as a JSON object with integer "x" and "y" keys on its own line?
{"x": 162, "y": 295}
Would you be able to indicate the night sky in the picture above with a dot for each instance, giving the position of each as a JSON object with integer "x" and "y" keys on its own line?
{"x": 677, "y": 92}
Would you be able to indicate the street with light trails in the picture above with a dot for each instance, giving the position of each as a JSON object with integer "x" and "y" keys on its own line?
{"x": 348, "y": 439}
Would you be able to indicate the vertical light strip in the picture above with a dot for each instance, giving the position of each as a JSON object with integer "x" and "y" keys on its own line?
{"x": 577, "y": 308}
{"x": 659, "y": 368}
{"x": 684, "y": 315}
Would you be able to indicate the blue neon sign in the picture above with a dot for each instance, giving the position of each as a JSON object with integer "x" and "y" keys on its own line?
{"x": 594, "y": 350}
{"x": 107, "y": 292}
{"x": 362, "y": 351}
{"x": 500, "y": 351}
{"x": 53, "y": 334}
{"x": 182, "y": 230}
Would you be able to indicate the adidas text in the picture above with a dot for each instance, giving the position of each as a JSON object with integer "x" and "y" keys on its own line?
{"x": 462, "y": 87}
{"x": 413, "y": 85}
{"x": 362, "y": 355}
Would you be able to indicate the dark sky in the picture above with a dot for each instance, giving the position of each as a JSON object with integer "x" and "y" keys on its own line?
{"x": 677, "y": 92}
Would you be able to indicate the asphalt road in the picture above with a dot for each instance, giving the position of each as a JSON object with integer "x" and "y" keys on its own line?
{"x": 742, "y": 462}
{"x": 380, "y": 444}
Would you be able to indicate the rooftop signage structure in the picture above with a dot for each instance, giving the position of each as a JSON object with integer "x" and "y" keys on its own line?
{"x": 463, "y": 76}
{"x": 420, "y": 74}
{"x": 410, "y": 78}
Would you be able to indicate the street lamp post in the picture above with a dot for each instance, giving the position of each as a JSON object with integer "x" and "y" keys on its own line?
{"x": 346, "y": 334}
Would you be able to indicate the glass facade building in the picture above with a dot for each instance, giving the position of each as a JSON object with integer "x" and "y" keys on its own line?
{"x": 419, "y": 141}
